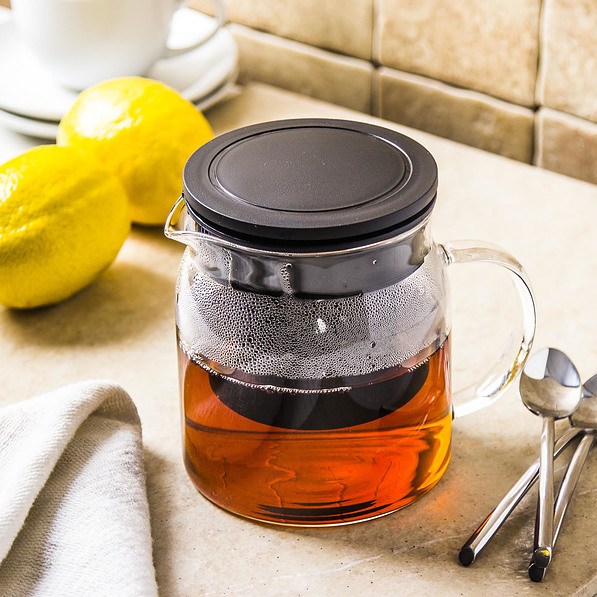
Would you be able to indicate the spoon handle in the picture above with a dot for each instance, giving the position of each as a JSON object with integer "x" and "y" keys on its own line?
{"x": 567, "y": 487}
{"x": 489, "y": 527}
{"x": 571, "y": 477}
{"x": 545, "y": 505}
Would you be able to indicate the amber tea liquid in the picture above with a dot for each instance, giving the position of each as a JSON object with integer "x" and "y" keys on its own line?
{"x": 306, "y": 455}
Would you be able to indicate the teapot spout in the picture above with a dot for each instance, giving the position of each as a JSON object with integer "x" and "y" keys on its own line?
{"x": 175, "y": 227}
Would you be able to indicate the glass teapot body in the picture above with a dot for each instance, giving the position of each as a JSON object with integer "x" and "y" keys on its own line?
{"x": 297, "y": 394}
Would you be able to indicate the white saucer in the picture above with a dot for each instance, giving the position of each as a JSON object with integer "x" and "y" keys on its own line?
{"x": 40, "y": 129}
{"x": 27, "y": 91}
{"x": 47, "y": 129}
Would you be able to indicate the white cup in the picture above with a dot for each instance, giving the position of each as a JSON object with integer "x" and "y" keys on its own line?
{"x": 82, "y": 42}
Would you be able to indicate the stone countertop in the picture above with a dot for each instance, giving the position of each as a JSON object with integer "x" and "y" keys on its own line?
{"x": 122, "y": 328}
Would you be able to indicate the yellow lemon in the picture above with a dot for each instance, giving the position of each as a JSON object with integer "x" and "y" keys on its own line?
{"x": 144, "y": 132}
{"x": 63, "y": 219}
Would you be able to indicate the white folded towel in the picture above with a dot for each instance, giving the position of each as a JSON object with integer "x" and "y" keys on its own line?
{"x": 74, "y": 518}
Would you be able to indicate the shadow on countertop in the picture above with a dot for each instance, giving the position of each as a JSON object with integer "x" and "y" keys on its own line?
{"x": 122, "y": 303}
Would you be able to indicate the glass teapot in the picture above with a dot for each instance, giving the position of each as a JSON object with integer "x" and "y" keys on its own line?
{"x": 312, "y": 314}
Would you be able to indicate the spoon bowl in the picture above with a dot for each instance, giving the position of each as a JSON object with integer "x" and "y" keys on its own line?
{"x": 550, "y": 384}
{"x": 585, "y": 415}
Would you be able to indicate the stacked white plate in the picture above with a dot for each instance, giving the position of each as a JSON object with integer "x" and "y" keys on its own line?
{"x": 33, "y": 104}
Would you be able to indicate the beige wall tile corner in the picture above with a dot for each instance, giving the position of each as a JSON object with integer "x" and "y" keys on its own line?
{"x": 568, "y": 62}
{"x": 465, "y": 116}
{"x": 566, "y": 144}
{"x": 478, "y": 44}
{"x": 344, "y": 26}
{"x": 304, "y": 69}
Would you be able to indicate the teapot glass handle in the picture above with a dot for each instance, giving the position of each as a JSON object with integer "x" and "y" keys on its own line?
{"x": 489, "y": 389}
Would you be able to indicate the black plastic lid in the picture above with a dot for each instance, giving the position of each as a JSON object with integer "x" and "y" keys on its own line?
{"x": 315, "y": 181}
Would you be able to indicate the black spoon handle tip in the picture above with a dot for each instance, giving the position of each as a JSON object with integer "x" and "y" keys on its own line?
{"x": 536, "y": 573}
{"x": 466, "y": 556}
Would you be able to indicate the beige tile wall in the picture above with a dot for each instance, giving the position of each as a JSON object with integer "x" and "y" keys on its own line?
{"x": 568, "y": 74}
{"x": 566, "y": 144}
{"x": 487, "y": 46}
{"x": 460, "y": 114}
{"x": 515, "y": 77}
{"x": 303, "y": 68}
{"x": 327, "y": 24}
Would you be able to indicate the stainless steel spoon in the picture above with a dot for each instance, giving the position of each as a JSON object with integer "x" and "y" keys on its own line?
{"x": 489, "y": 527}
{"x": 585, "y": 418}
{"x": 550, "y": 387}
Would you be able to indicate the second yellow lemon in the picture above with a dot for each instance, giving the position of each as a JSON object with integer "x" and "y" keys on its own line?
{"x": 144, "y": 132}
